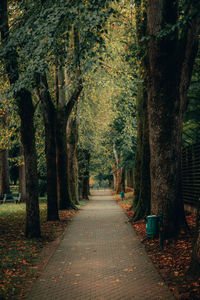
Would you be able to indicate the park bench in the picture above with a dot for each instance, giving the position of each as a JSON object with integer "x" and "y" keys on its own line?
{"x": 12, "y": 198}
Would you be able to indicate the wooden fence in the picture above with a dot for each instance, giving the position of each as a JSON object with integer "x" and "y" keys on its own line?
{"x": 191, "y": 174}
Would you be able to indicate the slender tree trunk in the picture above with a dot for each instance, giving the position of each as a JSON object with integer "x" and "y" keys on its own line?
{"x": 118, "y": 172}
{"x": 114, "y": 178}
{"x": 72, "y": 139}
{"x": 130, "y": 178}
{"x": 26, "y": 111}
{"x": 22, "y": 179}
{"x": 65, "y": 201}
{"x": 142, "y": 168}
{"x": 4, "y": 169}
{"x": 49, "y": 117}
{"x": 123, "y": 184}
{"x": 86, "y": 175}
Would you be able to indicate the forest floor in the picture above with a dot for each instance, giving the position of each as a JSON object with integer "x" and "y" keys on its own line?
{"x": 23, "y": 260}
{"x": 172, "y": 262}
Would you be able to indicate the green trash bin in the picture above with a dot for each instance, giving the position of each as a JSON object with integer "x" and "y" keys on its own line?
{"x": 152, "y": 227}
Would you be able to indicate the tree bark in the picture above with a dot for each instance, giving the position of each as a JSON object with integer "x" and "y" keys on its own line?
{"x": 4, "y": 170}
{"x": 167, "y": 60}
{"x": 64, "y": 109}
{"x": 142, "y": 165}
{"x": 86, "y": 175}
{"x": 142, "y": 168}
{"x": 22, "y": 179}
{"x": 26, "y": 111}
{"x": 123, "y": 184}
{"x": 129, "y": 175}
{"x": 65, "y": 201}
{"x": 72, "y": 139}
{"x": 49, "y": 117}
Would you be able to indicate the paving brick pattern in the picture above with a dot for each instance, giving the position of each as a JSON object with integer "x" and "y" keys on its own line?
{"x": 100, "y": 258}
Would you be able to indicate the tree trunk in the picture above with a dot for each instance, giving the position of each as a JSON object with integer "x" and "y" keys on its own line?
{"x": 49, "y": 117}
{"x": 64, "y": 109}
{"x": 72, "y": 140}
{"x": 26, "y": 111}
{"x": 22, "y": 179}
{"x": 142, "y": 168}
{"x": 65, "y": 201}
{"x": 129, "y": 175}
{"x": 123, "y": 184}
{"x": 4, "y": 170}
{"x": 167, "y": 58}
{"x": 86, "y": 175}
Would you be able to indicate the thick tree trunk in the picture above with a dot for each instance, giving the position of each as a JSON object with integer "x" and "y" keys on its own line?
{"x": 65, "y": 201}
{"x": 4, "y": 170}
{"x": 50, "y": 149}
{"x": 142, "y": 168}
{"x": 26, "y": 111}
{"x": 72, "y": 140}
{"x": 166, "y": 62}
{"x": 49, "y": 117}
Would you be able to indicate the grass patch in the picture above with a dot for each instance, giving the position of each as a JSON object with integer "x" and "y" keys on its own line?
{"x": 21, "y": 257}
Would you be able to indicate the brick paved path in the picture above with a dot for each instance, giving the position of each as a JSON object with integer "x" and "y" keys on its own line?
{"x": 100, "y": 257}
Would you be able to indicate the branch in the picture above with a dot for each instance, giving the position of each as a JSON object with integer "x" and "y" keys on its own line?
{"x": 73, "y": 99}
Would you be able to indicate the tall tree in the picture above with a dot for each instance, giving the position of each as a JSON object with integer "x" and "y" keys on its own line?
{"x": 49, "y": 117}
{"x": 24, "y": 103}
{"x": 142, "y": 165}
{"x": 72, "y": 140}
{"x": 170, "y": 58}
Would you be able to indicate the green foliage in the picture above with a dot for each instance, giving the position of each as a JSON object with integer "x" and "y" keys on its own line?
{"x": 107, "y": 111}
{"x": 191, "y": 125}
